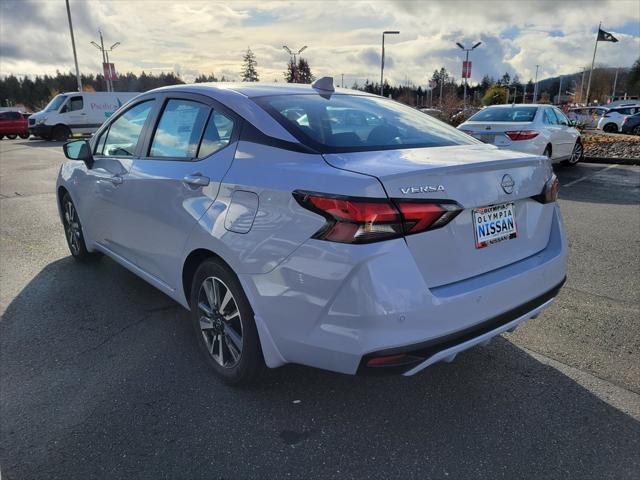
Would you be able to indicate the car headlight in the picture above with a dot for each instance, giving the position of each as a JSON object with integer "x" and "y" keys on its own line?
{"x": 41, "y": 121}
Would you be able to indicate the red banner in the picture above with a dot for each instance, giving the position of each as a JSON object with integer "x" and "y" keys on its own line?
{"x": 109, "y": 71}
{"x": 466, "y": 69}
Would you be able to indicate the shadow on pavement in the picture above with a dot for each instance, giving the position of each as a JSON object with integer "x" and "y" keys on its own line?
{"x": 101, "y": 377}
{"x": 616, "y": 185}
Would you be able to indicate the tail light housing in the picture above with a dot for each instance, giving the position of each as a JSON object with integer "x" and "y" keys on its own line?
{"x": 522, "y": 134}
{"x": 367, "y": 220}
{"x": 550, "y": 191}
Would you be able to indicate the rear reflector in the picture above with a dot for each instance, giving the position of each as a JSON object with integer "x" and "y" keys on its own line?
{"x": 387, "y": 360}
{"x": 366, "y": 220}
{"x": 522, "y": 134}
{"x": 549, "y": 193}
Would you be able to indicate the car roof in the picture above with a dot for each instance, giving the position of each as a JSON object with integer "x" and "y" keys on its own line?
{"x": 256, "y": 89}
{"x": 511, "y": 105}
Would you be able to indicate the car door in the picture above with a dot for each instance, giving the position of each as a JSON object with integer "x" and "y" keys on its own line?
{"x": 567, "y": 135}
{"x": 73, "y": 114}
{"x": 551, "y": 125}
{"x": 176, "y": 180}
{"x": 103, "y": 203}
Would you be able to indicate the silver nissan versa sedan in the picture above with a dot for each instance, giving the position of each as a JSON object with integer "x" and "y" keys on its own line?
{"x": 319, "y": 226}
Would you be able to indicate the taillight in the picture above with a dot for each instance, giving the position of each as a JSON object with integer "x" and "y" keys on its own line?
{"x": 366, "y": 220}
{"x": 549, "y": 193}
{"x": 522, "y": 134}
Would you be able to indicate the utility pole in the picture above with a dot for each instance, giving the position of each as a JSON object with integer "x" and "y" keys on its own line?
{"x": 386, "y": 32}
{"x": 342, "y": 81}
{"x": 535, "y": 86}
{"x": 73, "y": 45}
{"x": 584, "y": 69}
{"x": 524, "y": 93}
{"x": 466, "y": 72}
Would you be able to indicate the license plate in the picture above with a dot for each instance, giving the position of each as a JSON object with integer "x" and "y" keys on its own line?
{"x": 494, "y": 224}
{"x": 485, "y": 137}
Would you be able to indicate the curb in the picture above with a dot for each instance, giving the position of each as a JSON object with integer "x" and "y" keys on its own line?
{"x": 619, "y": 161}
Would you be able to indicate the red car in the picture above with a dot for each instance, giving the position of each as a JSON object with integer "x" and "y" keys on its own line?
{"x": 13, "y": 124}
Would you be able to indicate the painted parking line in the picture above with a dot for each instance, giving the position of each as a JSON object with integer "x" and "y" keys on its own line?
{"x": 586, "y": 177}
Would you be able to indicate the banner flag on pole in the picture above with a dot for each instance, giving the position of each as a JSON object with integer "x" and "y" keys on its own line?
{"x": 605, "y": 36}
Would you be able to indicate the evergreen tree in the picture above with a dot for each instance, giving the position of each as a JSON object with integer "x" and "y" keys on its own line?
{"x": 249, "y": 72}
{"x": 300, "y": 73}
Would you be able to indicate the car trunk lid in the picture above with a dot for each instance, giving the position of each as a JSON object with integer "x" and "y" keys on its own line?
{"x": 472, "y": 176}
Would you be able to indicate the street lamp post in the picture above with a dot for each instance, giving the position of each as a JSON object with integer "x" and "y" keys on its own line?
{"x": 467, "y": 50}
{"x": 535, "y": 86}
{"x": 105, "y": 56}
{"x": 293, "y": 55}
{"x": 73, "y": 45}
{"x": 386, "y": 32}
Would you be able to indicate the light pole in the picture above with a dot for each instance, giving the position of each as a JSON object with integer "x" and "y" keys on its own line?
{"x": 105, "y": 57}
{"x": 535, "y": 86}
{"x": 467, "y": 73}
{"x": 386, "y": 32}
{"x": 293, "y": 54}
{"x": 73, "y": 45}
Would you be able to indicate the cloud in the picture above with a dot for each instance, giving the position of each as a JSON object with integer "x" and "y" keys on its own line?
{"x": 343, "y": 37}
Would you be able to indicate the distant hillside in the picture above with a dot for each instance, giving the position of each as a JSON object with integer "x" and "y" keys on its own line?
{"x": 601, "y": 82}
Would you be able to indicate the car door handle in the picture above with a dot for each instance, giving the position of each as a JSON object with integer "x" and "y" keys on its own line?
{"x": 116, "y": 180}
{"x": 196, "y": 180}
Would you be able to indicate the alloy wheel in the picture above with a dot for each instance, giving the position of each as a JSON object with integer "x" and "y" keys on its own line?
{"x": 72, "y": 227}
{"x": 576, "y": 154}
{"x": 220, "y": 322}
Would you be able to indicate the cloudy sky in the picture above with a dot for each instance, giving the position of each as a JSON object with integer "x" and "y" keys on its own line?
{"x": 343, "y": 37}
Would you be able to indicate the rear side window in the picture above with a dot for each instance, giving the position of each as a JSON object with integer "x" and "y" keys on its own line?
{"x": 505, "y": 114}
{"x": 179, "y": 129}
{"x": 121, "y": 138}
{"x": 217, "y": 135}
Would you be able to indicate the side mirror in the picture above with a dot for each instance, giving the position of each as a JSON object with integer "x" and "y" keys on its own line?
{"x": 78, "y": 150}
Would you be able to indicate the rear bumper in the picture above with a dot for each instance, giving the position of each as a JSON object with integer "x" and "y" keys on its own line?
{"x": 335, "y": 306}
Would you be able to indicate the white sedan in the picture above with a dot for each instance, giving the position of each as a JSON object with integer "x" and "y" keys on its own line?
{"x": 535, "y": 129}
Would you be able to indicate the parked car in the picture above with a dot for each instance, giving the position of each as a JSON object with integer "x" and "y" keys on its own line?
{"x": 631, "y": 124}
{"x": 535, "y": 129}
{"x": 76, "y": 113}
{"x": 611, "y": 121}
{"x": 384, "y": 249}
{"x": 586, "y": 116}
{"x": 13, "y": 125}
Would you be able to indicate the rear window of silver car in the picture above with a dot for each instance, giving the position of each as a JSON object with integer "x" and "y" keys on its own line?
{"x": 354, "y": 123}
{"x": 505, "y": 114}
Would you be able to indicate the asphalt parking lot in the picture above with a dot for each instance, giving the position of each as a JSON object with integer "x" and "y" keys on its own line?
{"x": 100, "y": 376}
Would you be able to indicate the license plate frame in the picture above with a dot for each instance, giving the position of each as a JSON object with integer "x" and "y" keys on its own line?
{"x": 502, "y": 217}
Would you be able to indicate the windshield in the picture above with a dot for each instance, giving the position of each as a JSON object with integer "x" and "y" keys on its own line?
{"x": 55, "y": 103}
{"x": 505, "y": 114}
{"x": 352, "y": 123}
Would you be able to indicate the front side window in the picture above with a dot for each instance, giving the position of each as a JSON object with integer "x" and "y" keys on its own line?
{"x": 562, "y": 119}
{"x": 351, "y": 123}
{"x": 121, "y": 138}
{"x": 505, "y": 114}
{"x": 217, "y": 135}
{"x": 75, "y": 104}
{"x": 179, "y": 129}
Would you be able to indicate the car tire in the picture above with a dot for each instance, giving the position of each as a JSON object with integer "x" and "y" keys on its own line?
{"x": 610, "y": 128}
{"x": 1, "y": 137}
{"x": 577, "y": 154}
{"x": 636, "y": 130}
{"x": 224, "y": 323}
{"x": 73, "y": 232}
{"x": 12, "y": 136}
{"x": 24, "y": 136}
{"x": 60, "y": 133}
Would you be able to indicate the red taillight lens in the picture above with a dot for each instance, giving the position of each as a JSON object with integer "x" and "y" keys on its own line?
{"x": 550, "y": 191}
{"x": 522, "y": 134}
{"x": 358, "y": 220}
